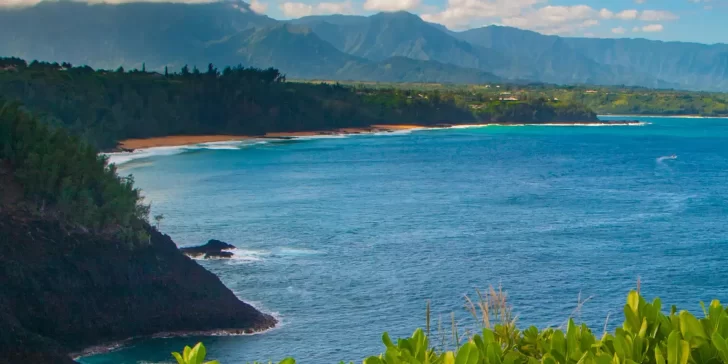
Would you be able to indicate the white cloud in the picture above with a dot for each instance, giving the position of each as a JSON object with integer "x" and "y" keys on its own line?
{"x": 147, "y": 1}
{"x": 18, "y": 3}
{"x": 258, "y": 6}
{"x": 606, "y": 14}
{"x": 640, "y": 1}
{"x": 627, "y": 14}
{"x": 657, "y": 15}
{"x": 391, "y": 5}
{"x": 556, "y": 19}
{"x": 619, "y": 30}
{"x": 469, "y": 13}
{"x": 297, "y": 10}
{"x": 652, "y": 28}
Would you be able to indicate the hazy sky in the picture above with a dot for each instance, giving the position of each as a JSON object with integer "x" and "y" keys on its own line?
{"x": 683, "y": 20}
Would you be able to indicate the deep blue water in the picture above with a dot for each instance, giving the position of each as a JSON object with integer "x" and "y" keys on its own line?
{"x": 346, "y": 238}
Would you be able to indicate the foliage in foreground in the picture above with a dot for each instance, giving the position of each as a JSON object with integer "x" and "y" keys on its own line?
{"x": 64, "y": 176}
{"x": 647, "y": 336}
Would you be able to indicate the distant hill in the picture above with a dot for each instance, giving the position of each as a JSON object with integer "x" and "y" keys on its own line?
{"x": 345, "y": 47}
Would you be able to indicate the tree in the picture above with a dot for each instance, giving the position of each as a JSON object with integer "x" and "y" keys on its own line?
{"x": 158, "y": 219}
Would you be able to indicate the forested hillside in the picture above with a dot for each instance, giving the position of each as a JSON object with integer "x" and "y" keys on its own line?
{"x": 79, "y": 264}
{"x": 106, "y": 106}
{"x": 344, "y": 48}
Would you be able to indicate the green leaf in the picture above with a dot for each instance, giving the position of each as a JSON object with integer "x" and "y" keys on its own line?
{"x": 659, "y": 358}
{"x": 633, "y": 301}
{"x": 387, "y": 341}
{"x": 448, "y": 358}
{"x": 493, "y": 356}
{"x": 468, "y": 354}
{"x": 684, "y": 352}
{"x": 178, "y": 356}
{"x": 370, "y": 360}
{"x": 572, "y": 345}
{"x": 720, "y": 344}
{"x": 186, "y": 354}
{"x": 291, "y": 361}
{"x": 673, "y": 347}
{"x": 691, "y": 329}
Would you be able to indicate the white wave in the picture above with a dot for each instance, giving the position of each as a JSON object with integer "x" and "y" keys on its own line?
{"x": 322, "y": 136}
{"x": 396, "y": 132}
{"x": 145, "y": 153}
{"x": 665, "y": 116}
{"x": 470, "y": 126}
{"x": 296, "y": 252}
{"x": 666, "y": 158}
{"x": 641, "y": 123}
{"x": 245, "y": 256}
{"x": 126, "y": 157}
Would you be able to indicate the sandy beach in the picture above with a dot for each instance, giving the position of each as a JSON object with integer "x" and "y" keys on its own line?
{"x": 178, "y": 140}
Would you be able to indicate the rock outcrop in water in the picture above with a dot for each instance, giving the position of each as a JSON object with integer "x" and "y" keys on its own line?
{"x": 65, "y": 290}
{"x": 213, "y": 249}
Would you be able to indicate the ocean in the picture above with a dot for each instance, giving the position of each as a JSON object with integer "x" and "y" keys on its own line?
{"x": 343, "y": 238}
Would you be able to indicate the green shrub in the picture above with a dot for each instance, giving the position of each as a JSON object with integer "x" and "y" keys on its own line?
{"x": 62, "y": 175}
{"x": 647, "y": 335}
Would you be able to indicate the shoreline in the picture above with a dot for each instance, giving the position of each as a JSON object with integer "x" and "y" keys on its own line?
{"x": 120, "y": 344}
{"x": 130, "y": 145}
{"x": 687, "y": 116}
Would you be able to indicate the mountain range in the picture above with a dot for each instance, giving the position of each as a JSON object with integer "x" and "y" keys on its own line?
{"x": 391, "y": 47}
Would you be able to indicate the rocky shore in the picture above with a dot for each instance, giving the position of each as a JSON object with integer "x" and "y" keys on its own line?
{"x": 64, "y": 291}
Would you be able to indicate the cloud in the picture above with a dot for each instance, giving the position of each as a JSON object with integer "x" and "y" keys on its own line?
{"x": 606, "y": 14}
{"x": 18, "y": 3}
{"x": 297, "y": 10}
{"x": 652, "y": 28}
{"x": 469, "y": 13}
{"x": 627, "y": 14}
{"x": 258, "y": 7}
{"x": 640, "y": 1}
{"x": 26, "y": 3}
{"x": 657, "y": 15}
{"x": 556, "y": 19}
{"x": 619, "y": 30}
{"x": 391, "y": 5}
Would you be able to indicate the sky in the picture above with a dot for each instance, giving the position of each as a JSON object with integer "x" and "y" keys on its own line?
{"x": 702, "y": 21}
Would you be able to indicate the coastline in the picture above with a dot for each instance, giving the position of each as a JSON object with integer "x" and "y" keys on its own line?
{"x": 689, "y": 116}
{"x": 120, "y": 344}
{"x": 181, "y": 140}
{"x": 130, "y": 145}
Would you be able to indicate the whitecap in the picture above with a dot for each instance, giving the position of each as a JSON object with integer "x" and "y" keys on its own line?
{"x": 125, "y": 157}
{"x": 145, "y": 153}
{"x": 296, "y": 252}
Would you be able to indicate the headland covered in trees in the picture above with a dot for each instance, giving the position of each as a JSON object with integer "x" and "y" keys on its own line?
{"x": 105, "y": 106}
{"x": 79, "y": 263}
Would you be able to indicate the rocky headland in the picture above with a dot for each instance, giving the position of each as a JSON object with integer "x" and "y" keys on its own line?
{"x": 65, "y": 290}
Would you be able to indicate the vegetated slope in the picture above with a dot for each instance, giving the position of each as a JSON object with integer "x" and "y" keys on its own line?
{"x": 402, "y": 34}
{"x": 405, "y": 69}
{"x": 79, "y": 265}
{"x": 175, "y": 34}
{"x": 108, "y": 36}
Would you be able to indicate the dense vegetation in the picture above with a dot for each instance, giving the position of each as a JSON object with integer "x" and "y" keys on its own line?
{"x": 64, "y": 177}
{"x": 389, "y": 46}
{"x": 106, "y": 106}
{"x": 647, "y": 336}
{"x": 603, "y": 100}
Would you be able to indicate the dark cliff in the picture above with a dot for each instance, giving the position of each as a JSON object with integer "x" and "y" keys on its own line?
{"x": 63, "y": 291}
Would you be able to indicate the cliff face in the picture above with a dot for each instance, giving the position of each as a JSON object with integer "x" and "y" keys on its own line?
{"x": 65, "y": 291}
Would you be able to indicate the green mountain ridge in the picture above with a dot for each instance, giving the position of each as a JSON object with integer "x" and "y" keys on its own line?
{"x": 345, "y": 47}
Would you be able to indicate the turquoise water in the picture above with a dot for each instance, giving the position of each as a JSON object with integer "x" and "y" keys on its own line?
{"x": 344, "y": 238}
